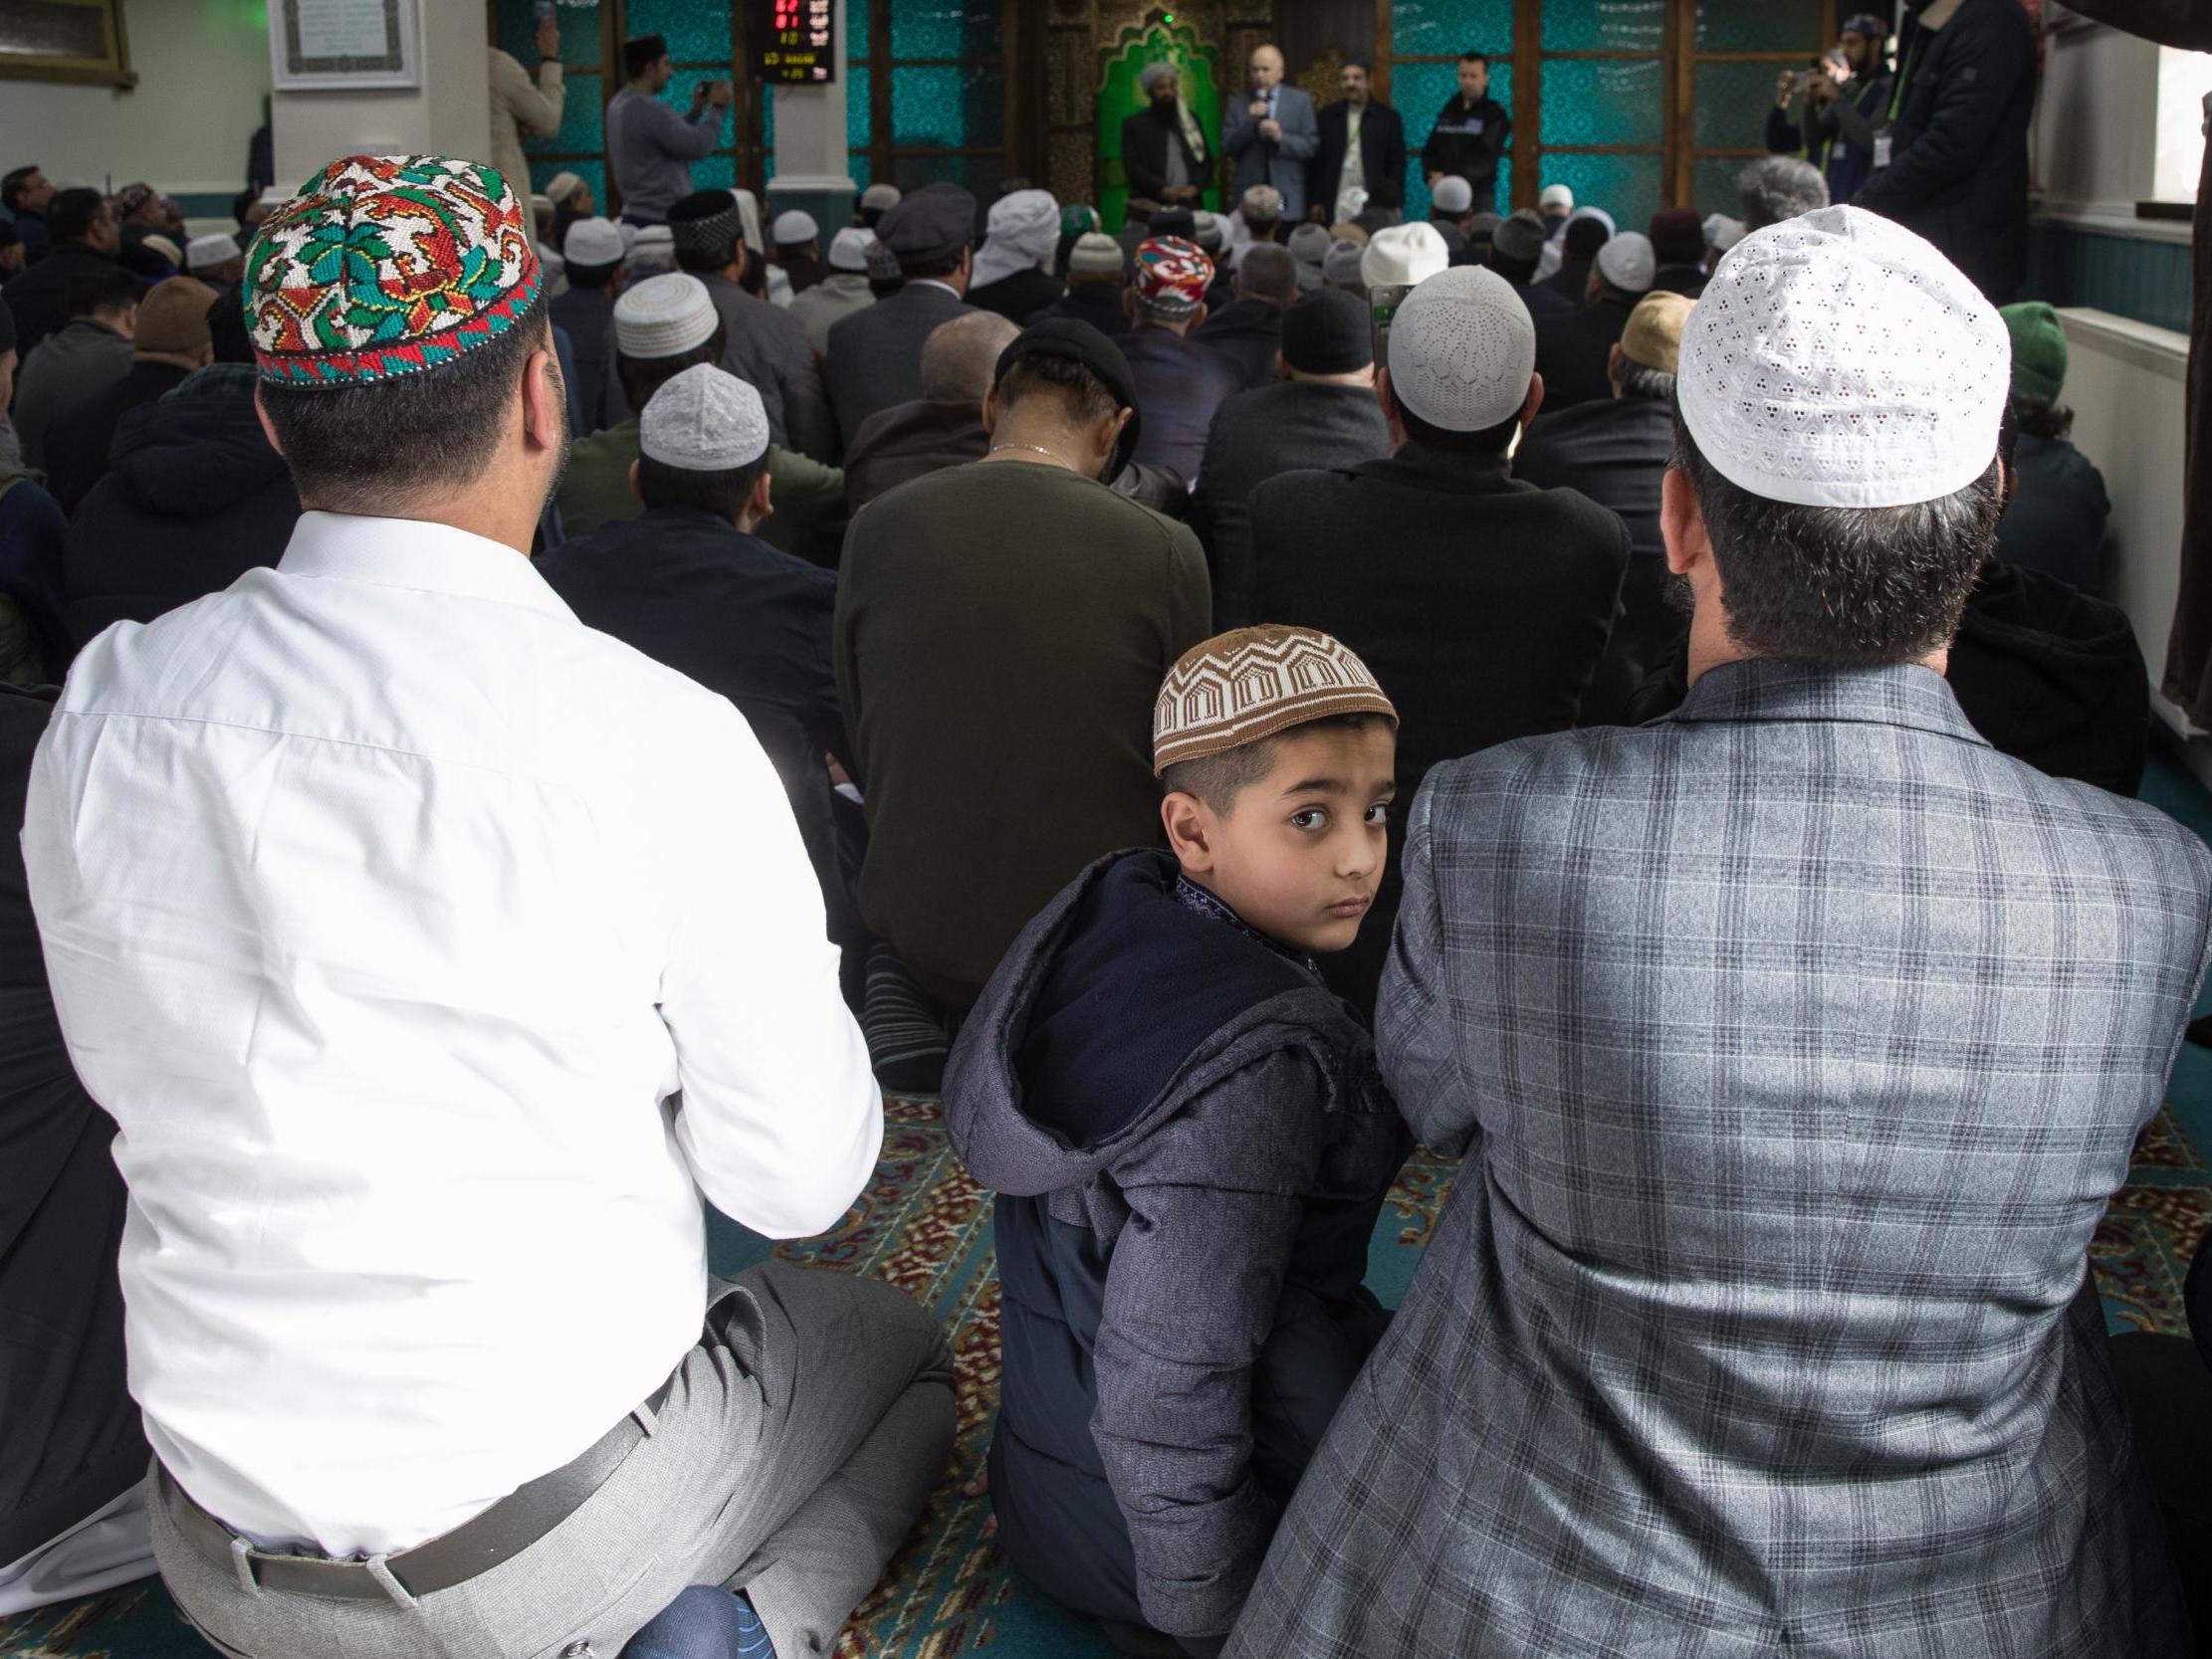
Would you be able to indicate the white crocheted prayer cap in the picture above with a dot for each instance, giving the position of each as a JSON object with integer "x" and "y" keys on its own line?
{"x": 1403, "y": 254}
{"x": 794, "y": 226}
{"x": 1629, "y": 262}
{"x": 706, "y": 420}
{"x": 1453, "y": 194}
{"x": 1837, "y": 360}
{"x": 664, "y": 316}
{"x": 593, "y": 242}
{"x": 849, "y": 248}
{"x": 1463, "y": 350}
{"x": 205, "y": 250}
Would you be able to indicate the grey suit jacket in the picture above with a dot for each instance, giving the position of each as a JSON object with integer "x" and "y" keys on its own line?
{"x": 1796, "y": 1043}
{"x": 1265, "y": 161}
{"x": 874, "y": 360}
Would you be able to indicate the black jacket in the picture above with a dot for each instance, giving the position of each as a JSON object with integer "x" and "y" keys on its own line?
{"x": 1144, "y": 154}
{"x": 1480, "y": 602}
{"x": 38, "y": 298}
{"x": 2055, "y": 521}
{"x": 1018, "y": 296}
{"x": 1179, "y": 381}
{"x": 875, "y": 355}
{"x": 1467, "y": 142}
{"x": 1190, "y": 1145}
{"x": 1095, "y": 302}
{"x": 1958, "y": 157}
{"x": 70, "y": 1438}
{"x": 1249, "y": 330}
{"x": 1574, "y": 351}
{"x": 693, "y": 592}
{"x": 908, "y": 440}
{"x": 1261, "y": 434}
{"x": 194, "y": 498}
{"x": 1382, "y": 154}
{"x": 78, "y": 441}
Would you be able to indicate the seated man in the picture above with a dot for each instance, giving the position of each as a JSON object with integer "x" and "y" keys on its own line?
{"x": 842, "y": 290}
{"x": 944, "y": 425}
{"x": 1760, "y": 1317}
{"x": 1516, "y": 247}
{"x": 585, "y": 309}
{"x": 690, "y": 583}
{"x": 662, "y": 326}
{"x": 1180, "y": 380}
{"x": 1182, "y": 1238}
{"x": 73, "y": 1454}
{"x": 1096, "y": 275}
{"x": 1574, "y": 353}
{"x": 1480, "y": 600}
{"x": 2055, "y": 521}
{"x": 435, "y": 956}
{"x": 1249, "y": 329}
{"x": 1003, "y": 629}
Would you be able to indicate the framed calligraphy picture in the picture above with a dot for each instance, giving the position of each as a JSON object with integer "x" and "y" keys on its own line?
{"x": 343, "y": 45}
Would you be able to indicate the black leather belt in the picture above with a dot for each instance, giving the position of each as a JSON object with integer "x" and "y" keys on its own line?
{"x": 507, "y": 1528}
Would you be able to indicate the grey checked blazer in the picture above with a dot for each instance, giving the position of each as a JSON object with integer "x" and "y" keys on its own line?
{"x": 1796, "y": 1043}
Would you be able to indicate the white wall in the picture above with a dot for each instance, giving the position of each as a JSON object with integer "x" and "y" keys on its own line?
{"x": 2095, "y": 143}
{"x": 204, "y": 70}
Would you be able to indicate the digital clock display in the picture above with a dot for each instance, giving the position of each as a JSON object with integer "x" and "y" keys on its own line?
{"x": 793, "y": 42}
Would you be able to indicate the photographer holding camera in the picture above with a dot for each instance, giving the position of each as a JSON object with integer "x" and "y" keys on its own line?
{"x": 1846, "y": 107}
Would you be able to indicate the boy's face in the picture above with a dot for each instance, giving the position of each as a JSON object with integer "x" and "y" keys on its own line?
{"x": 1300, "y": 852}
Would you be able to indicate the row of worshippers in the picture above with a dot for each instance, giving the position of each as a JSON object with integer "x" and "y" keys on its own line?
{"x": 389, "y": 848}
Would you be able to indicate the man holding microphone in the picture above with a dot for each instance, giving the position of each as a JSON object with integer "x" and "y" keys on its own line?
{"x": 1272, "y": 136}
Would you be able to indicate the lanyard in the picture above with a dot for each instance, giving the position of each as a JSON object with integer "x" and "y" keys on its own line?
{"x": 1904, "y": 73}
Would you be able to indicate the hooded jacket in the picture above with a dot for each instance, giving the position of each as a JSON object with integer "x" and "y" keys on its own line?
{"x": 194, "y": 498}
{"x": 1191, "y": 1144}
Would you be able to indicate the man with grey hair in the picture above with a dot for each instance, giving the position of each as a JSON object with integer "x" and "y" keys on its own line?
{"x": 1272, "y": 132}
{"x": 1163, "y": 148}
{"x": 1760, "y": 1317}
{"x": 944, "y": 426}
{"x": 1778, "y": 187}
{"x": 1249, "y": 328}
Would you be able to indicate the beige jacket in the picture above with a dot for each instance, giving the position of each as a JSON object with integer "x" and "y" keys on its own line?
{"x": 521, "y": 109}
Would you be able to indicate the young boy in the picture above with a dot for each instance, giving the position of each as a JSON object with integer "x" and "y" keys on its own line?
{"x": 1190, "y": 1145}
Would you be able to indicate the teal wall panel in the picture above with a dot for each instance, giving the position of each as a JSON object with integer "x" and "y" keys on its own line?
{"x": 1604, "y": 25}
{"x": 1418, "y": 92}
{"x": 1426, "y": 28}
{"x": 2146, "y": 281}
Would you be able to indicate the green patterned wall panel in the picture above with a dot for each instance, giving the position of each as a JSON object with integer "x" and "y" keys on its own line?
{"x": 978, "y": 174}
{"x": 944, "y": 29}
{"x": 859, "y": 118}
{"x": 948, "y": 104}
{"x": 1626, "y": 186}
{"x": 714, "y": 172}
{"x": 695, "y": 31}
{"x": 1733, "y": 104}
{"x": 1418, "y": 92}
{"x": 1760, "y": 26}
{"x": 1597, "y": 101}
{"x": 1606, "y": 25}
{"x": 1716, "y": 184}
{"x": 579, "y": 32}
{"x": 1425, "y": 28}
{"x": 583, "y": 121}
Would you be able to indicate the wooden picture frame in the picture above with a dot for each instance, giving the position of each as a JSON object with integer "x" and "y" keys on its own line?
{"x": 343, "y": 45}
{"x": 79, "y": 41}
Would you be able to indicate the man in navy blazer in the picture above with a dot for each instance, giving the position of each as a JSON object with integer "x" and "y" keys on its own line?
{"x": 1272, "y": 135}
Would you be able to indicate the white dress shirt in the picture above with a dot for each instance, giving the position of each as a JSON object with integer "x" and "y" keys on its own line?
{"x": 385, "y": 906}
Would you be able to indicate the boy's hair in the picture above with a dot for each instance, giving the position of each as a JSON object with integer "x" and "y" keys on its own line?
{"x": 1218, "y": 779}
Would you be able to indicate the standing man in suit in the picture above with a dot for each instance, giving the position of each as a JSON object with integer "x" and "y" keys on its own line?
{"x": 1272, "y": 135}
{"x": 875, "y": 355}
{"x": 1162, "y": 147}
{"x": 1760, "y": 1317}
{"x": 1363, "y": 147}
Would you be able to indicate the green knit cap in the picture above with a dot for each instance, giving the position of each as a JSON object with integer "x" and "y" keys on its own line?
{"x": 2038, "y": 350}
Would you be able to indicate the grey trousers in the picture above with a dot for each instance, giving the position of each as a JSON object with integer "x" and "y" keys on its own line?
{"x": 796, "y": 1447}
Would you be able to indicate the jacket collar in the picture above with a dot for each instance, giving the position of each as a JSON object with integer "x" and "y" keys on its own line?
{"x": 1763, "y": 689}
{"x": 413, "y": 554}
{"x": 1425, "y": 467}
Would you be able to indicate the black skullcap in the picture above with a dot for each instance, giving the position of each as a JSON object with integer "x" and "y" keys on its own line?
{"x": 928, "y": 228}
{"x": 706, "y": 222}
{"x": 1327, "y": 332}
{"x": 641, "y": 52}
{"x": 1174, "y": 221}
{"x": 1078, "y": 343}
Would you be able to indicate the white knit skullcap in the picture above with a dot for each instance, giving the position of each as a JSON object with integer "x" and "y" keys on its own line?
{"x": 1556, "y": 195}
{"x": 705, "y": 420}
{"x": 593, "y": 242}
{"x": 1837, "y": 360}
{"x": 664, "y": 316}
{"x": 1628, "y": 262}
{"x": 793, "y": 226}
{"x": 849, "y": 248}
{"x": 205, "y": 250}
{"x": 1400, "y": 254}
{"x": 562, "y": 186}
{"x": 1453, "y": 194}
{"x": 1463, "y": 350}
{"x": 1722, "y": 232}
{"x": 653, "y": 235}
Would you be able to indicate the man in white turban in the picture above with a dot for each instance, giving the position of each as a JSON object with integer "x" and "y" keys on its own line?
{"x": 1163, "y": 148}
{"x": 1013, "y": 268}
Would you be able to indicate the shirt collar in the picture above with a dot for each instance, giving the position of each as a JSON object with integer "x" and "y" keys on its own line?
{"x": 932, "y": 281}
{"x": 415, "y": 553}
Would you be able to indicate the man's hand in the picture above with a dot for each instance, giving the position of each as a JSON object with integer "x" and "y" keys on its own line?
{"x": 1271, "y": 131}
{"x": 1180, "y": 192}
{"x": 1258, "y": 108}
{"x": 720, "y": 93}
{"x": 1785, "y": 89}
{"x": 548, "y": 38}
{"x": 699, "y": 93}
{"x": 1819, "y": 88}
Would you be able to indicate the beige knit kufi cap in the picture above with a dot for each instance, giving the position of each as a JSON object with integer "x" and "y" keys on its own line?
{"x": 1252, "y": 682}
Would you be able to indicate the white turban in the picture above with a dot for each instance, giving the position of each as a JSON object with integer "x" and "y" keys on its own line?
{"x": 1023, "y": 233}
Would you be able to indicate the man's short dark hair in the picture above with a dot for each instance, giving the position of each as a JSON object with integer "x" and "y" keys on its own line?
{"x": 1655, "y": 385}
{"x": 102, "y": 288}
{"x": 1584, "y": 237}
{"x": 355, "y": 450}
{"x": 1482, "y": 57}
{"x": 1218, "y": 779}
{"x": 71, "y": 215}
{"x": 1511, "y": 268}
{"x": 12, "y": 183}
{"x": 723, "y": 493}
{"x": 642, "y": 54}
{"x": 243, "y": 204}
{"x": 1842, "y": 586}
{"x": 593, "y": 276}
{"x": 1488, "y": 440}
{"x": 1083, "y": 396}
{"x": 931, "y": 265}
{"x": 641, "y": 377}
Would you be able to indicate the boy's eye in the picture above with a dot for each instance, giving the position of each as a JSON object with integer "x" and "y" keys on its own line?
{"x": 1379, "y": 813}
{"x": 1312, "y": 818}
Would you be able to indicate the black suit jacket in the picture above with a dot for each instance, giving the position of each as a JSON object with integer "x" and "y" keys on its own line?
{"x": 1573, "y": 353}
{"x": 1249, "y": 330}
{"x": 875, "y": 355}
{"x": 1382, "y": 153}
{"x": 1144, "y": 155}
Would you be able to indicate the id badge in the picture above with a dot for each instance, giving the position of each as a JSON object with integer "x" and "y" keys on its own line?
{"x": 1881, "y": 151}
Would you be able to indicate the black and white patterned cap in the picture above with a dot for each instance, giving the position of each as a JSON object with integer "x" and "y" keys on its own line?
{"x": 1837, "y": 360}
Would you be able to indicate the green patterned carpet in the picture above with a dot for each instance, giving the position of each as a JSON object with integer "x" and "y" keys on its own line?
{"x": 921, "y": 1225}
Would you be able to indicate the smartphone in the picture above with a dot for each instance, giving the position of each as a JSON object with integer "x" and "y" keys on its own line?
{"x": 545, "y": 10}
{"x": 1381, "y": 306}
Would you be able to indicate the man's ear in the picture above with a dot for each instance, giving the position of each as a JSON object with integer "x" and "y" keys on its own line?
{"x": 543, "y": 395}
{"x": 760, "y": 503}
{"x": 1189, "y": 823}
{"x": 1535, "y": 399}
{"x": 1681, "y": 524}
{"x": 991, "y": 412}
{"x": 267, "y": 430}
{"x": 634, "y": 490}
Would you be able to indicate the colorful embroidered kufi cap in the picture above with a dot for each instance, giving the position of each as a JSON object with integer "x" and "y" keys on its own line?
{"x": 1172, "y": 276}
{"x": 387, "y": 265}
{"x": 1252, "y": 682}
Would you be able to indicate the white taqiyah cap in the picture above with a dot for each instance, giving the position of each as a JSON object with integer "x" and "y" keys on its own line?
{"x": 1403, "y": 254}
{"x": 650, "y": 237}
{"x": 880, "y": 196}
{"x": 593, "y": 242}
{"x": 664, "y": 316}
{"x": 1837, "y": 360}
{"x": 1628, "y": 262}
{"x": 1453, "y": 194}
{"x": 205, "y": 250}
{"x": 705, "y": 420}
{"x": 1463, "y": 350}
{"x": 794, "y": 227}
{"x": 849, "y": 248}
{"x": 1722, "y": 232}
{"x": 1556, "y": 195}
{"x": 562, "y": 186}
